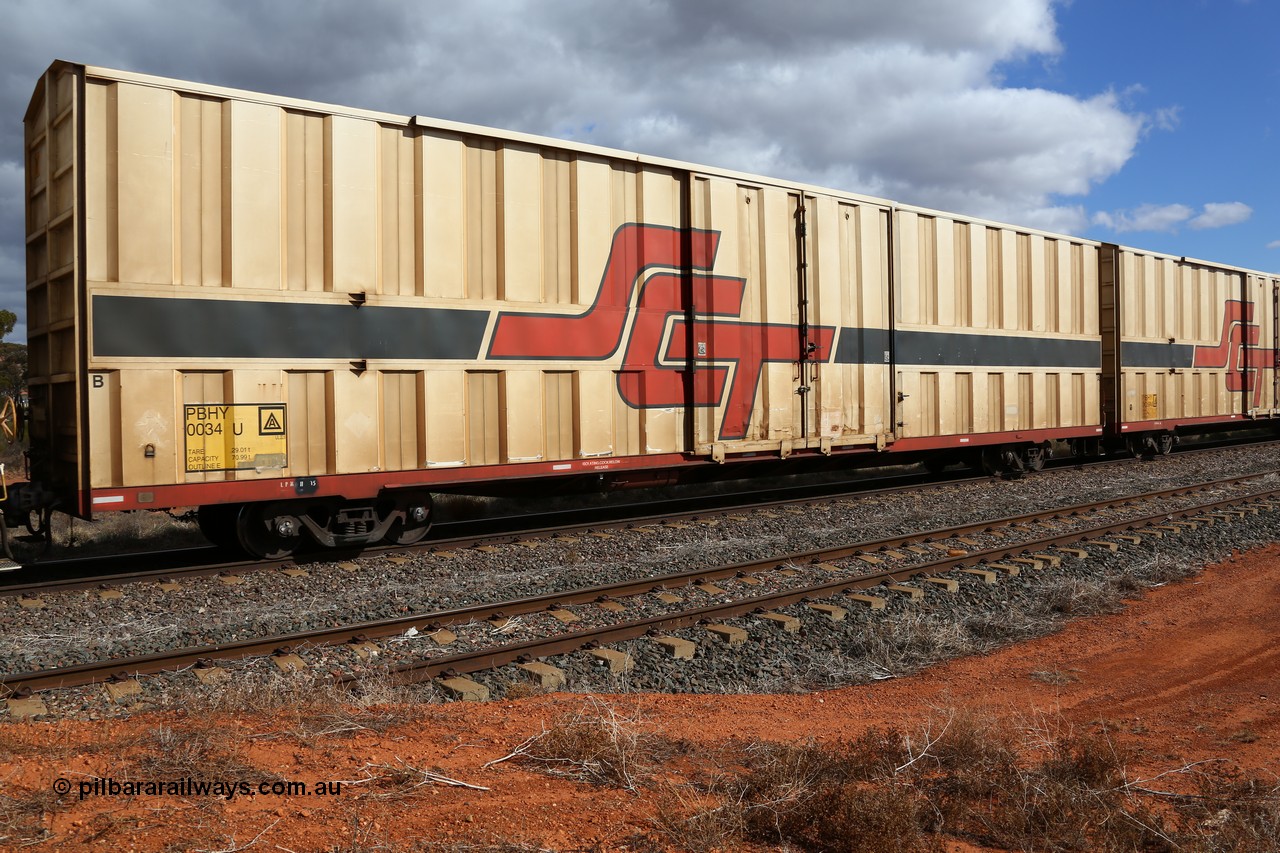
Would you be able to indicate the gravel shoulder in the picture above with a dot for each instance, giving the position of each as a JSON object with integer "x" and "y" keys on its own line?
{"x": 79, "y": 627}
{"x": 1184, "y": 673}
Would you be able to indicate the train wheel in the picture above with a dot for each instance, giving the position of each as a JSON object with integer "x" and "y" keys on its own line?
{"x": 218, "y": 524}
{"x": 1003, "y": 461}
{"x": 1150, "y": 445}
{"x": 414, "y": 523}
{"x": 37, "y": 523}
{"x": 10, "y": 421}
{"x": 265, "y": 533}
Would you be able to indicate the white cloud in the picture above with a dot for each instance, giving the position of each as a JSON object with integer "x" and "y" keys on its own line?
{"x": 1167, "y": 118}
{"x": 1147, "y": 217}
{"x": 1220, "y": 214}
{"x": 1169, "y": 217}
{"x": 904, "y": 97}
{"x": 1274, "y": 244}
{"x": 904, "y": 100}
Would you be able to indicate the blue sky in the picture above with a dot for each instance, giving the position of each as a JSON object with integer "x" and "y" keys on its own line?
{"x": 1209, "y": 72}
{"x": 1146, "y": 122}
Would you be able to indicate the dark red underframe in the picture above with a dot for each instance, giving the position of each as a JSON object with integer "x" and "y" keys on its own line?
{"x": 358, "y": 486}
{"x": 363, "y": 486}
{"x": 1021, "y": 436}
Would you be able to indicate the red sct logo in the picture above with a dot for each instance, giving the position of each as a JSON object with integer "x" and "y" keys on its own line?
{"x": 658, "y": 293}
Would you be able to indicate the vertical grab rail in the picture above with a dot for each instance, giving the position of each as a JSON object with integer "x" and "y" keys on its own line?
{"x": 804, "y": 362}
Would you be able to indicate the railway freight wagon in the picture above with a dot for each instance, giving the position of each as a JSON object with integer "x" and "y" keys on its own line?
{"x": 996, "y": 339}
{"x": 307, "y": 319}
{"x": 1186, "y": 344}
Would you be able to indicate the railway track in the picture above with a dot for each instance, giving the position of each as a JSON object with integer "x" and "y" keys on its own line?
{"x": 829, "y": 580}
{"x": 87, "y": 573}
{"x": 105, "y": 571}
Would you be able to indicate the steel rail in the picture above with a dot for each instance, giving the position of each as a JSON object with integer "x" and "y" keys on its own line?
{"x": 485, "y": 659}
{"x": 917, "y": 481}
{"x": 89, "y": 673}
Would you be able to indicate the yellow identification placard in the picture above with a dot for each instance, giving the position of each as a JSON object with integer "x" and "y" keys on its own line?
{"x": 235, "y": 437}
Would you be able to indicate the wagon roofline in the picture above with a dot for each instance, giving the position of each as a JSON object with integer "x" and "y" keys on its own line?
{"x": 1228, "y": 267}
{"x": 449, "y": 126}
{"x": 995, "y": 223}
{"x": 520, "y": 137}
{"x": 1197, "y": 262}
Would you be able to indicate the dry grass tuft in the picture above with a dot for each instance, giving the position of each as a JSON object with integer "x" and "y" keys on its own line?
{"x": 22, "y": 815}
{"x": 485, "y": 847}
{"x": 1245, "y": 734}
{"x": 523, "y": 689}
{"x": 364, "y": 835}
{"x": 700, "y": 819}
{"x": 1042, "y": 788}
{"x": 400, "y": 780}
{"x": 194, "y": 749}
{"x": 1087, "y": 596}
{"x": 1056, "y": 677}
{"x": 596, "y": 744}
{"x": 1230, "y": 812}
{"x": 305, "y": 706}
{"x": 839, "y": 798}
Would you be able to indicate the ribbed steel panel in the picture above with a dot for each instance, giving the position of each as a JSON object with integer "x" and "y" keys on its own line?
{"x": 1013, "y": 314}
{"x": 1188, "y": 329}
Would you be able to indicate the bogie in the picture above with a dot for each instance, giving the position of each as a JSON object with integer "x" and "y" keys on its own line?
{"x": 1012, "y": 461}
{"x": 1149, "y": 445}
{"x": 274, "y": 530}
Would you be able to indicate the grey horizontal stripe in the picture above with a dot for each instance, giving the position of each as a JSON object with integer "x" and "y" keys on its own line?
{"x": 1137, "y": 354}
{"x": 862, "y": 346}
{"x": 157, "y": 327}
{"x": 866, "y": 346}
{"x": 995, "y": 350}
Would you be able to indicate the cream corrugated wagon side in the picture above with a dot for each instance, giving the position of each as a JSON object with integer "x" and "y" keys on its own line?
{"x": 306, "y": 320}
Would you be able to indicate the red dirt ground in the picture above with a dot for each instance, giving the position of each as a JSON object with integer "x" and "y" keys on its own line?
{"x": 1189, "y": 672}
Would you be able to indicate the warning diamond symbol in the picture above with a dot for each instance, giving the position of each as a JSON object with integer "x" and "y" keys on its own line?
{"x": 271, "y": 421}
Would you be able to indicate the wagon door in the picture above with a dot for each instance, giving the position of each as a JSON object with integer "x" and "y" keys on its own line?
{"x": 742, "y": 324}
{"x": 1267, "y": 358}
{"x": 1264, "y": 360}
{"x": 765, "y": 322}
{"x": 844, "y": 288}
{"x": 55, "y": 286}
